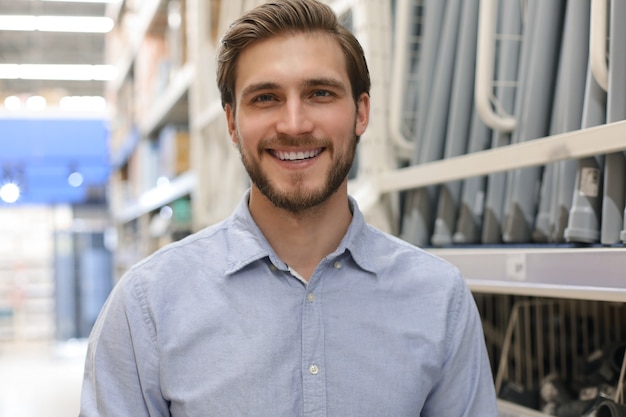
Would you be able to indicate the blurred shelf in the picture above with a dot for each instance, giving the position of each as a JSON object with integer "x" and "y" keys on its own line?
{"x": 508, "y": 409}
{"x": 158, "y": 197}
{"x": 169, "y": 107}
{"x": 145, "y": 19}
{"x": 591, "y": 273}
{"x": 114, "y": 9}
{"x": 598, "y": 140}
{"x": 208, "y": 115}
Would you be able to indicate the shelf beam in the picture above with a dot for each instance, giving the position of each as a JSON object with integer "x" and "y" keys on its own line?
{"x": 595, "y": 273}
{"x": 598, "y": 140}
{"x": 158, "y": 197}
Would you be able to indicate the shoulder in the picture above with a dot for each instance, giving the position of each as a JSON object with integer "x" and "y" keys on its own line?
{"x": 190, "y": 248}
{"x": 415, "y": 273}
{"x": 392, "y": 253}
{"x": 203, "y": 252}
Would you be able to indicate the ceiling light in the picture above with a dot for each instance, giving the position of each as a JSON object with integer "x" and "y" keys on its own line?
{"x": 84, "y": 24}
{"x": 75, "y": 179}
{"x": 86, "y": 1}
{"x": 12, "y": 103}
{"x": 58, "y": 72}
{"x": 9, "y": 192}
{"x": 83, "y": 103}
{"x": 36, "y": 103}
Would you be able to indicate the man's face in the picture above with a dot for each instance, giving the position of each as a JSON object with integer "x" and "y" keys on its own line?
{"x": 295, "y": 121}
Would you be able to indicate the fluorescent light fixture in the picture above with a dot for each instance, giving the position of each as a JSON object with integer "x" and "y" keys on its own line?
{"x": 75, "y": 104}
{"x": 86, "y": 1}
{"x": 58, "y": 72}
{"x": 82, "y": 24}
{"x": 24, "y": 23}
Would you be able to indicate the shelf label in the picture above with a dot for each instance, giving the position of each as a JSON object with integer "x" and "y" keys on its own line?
{"x": 515, "y": 267}
{"x": 589, "y": 182}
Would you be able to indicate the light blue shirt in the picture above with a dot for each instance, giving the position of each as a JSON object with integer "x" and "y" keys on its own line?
{"x": 216, "y": 325}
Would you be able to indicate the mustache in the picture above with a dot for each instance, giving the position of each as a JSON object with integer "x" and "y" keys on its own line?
{"x": 287, "y": 141}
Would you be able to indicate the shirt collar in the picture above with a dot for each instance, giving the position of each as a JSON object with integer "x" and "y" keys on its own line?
{"x": 247, "y": 244}
{"x": 355, "y": 242}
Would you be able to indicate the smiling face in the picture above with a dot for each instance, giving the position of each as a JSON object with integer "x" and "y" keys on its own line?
{"x": 295, "y": 120}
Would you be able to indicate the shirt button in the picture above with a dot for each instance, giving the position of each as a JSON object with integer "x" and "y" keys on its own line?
{"x": 273, "y": 268}
{"x": 337, "y": 265}
{"x": 313, "y": 369}
{"x": 310, "y": 297}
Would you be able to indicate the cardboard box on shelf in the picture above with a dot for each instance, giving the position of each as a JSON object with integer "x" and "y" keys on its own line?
{"x": 151, "y": 73}
{"x": 173, "y": 149}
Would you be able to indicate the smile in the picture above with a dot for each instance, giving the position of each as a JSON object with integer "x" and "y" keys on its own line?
{"x": 296, "y": 156}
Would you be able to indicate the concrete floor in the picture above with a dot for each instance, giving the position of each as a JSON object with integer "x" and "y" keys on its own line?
{"x": 41, "y": 380}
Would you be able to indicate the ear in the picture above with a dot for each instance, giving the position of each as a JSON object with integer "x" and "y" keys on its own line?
{"x": 362, "y": 114}
{"x": 230, "y": 121}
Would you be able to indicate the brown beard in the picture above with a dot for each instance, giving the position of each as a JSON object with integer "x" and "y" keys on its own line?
{"x": 300, "y": 200}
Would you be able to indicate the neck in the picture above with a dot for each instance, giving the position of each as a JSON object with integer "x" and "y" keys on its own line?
{"x": 303, "y": 239}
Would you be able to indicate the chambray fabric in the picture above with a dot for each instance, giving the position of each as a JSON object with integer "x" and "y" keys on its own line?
{"x": 217, "y": 325}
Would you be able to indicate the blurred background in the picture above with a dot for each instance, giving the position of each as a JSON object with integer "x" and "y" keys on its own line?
{"x": 55, "y": 268}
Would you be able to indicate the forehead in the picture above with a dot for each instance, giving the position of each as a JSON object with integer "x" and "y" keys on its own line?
{"x": 293, "y": 57}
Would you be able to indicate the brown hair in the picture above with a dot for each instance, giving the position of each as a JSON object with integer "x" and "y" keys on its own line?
{"x": 287, "y": 16}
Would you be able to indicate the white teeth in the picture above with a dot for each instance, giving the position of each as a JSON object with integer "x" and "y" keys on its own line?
{"x": 297, "y": 156}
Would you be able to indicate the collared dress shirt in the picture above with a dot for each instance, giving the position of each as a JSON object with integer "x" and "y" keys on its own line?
{"x": 217, "y": 325}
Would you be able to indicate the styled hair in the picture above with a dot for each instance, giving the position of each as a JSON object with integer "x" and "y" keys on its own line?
{"x": 283, "y": 17}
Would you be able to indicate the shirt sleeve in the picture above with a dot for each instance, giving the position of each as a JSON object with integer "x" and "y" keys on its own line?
{"x": 466, "y": 387}
{"x": 122, "y": 369}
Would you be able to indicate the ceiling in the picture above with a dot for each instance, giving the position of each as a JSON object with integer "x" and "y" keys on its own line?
{"x": 39, "y": 151}
{"x": 21, "y": 47}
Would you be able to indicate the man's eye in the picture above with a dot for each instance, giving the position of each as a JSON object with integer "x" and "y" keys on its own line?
{"x": 321, "y": 93}
{"x": 264, "y": 98}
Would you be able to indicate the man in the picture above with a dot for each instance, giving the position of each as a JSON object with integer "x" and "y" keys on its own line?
{"x": 293, "y": 306}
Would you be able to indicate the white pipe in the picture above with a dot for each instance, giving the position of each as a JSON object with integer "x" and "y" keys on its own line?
{"x": 485, "y": 58}
{"x": 398, "y": 79}
{"x": 597, "y": 43}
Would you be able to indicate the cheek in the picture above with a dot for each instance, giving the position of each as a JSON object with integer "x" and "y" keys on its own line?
{"x": 248, "y": 125}
{"x": 246, "y": 137}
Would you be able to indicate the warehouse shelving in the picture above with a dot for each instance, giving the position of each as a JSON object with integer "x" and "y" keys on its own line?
{"x": 566, "y": 272}
{"x": 140, "y": 186}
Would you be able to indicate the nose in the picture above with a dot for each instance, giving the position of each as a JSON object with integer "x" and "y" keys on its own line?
{"x": 295, "y": 119}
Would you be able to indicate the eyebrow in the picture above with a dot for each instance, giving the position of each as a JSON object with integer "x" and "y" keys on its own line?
{"x": 254, "y": 88}
{"x": 325, "y": 81}
{"x": 314, "y": 82}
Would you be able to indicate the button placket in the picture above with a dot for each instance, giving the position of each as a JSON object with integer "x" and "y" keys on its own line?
{"x": 313, "y": 380}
